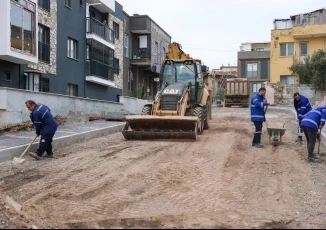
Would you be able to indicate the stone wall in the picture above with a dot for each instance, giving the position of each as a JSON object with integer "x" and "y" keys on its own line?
{"x": 283, "y": 94}
{"x": 163, "y": 40}
{"x": 49, "y": 19}
{"x": 118, "y": 51}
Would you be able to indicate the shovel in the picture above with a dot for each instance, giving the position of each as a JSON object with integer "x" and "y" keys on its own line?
{"x": 19, "y": 160}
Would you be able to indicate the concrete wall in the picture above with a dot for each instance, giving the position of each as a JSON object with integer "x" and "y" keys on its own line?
{"x": 280, "y": 65}
{"x": 13, "y": 110}
{"x": 133, "y": 105}
{"x": 126, "y": 60}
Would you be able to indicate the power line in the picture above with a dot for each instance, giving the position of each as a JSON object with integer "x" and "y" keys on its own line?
{"x": 213, "y": 50}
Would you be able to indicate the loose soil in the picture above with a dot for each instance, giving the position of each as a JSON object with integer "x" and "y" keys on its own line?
{"x": 217, "y": 181}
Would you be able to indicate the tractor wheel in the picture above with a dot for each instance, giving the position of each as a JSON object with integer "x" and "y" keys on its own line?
{"x": 199, "y": 112}
{"x": 147, "y": 110}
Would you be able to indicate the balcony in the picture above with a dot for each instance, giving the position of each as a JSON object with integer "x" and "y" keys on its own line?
{"x": 98, "y": 31}
{"x": 309, "y": 31}
{"x": 142, "y": 57}
{"x": 253, "y": 54}
{"x": 105, "y": 6}
{"x": 99, "y": 73}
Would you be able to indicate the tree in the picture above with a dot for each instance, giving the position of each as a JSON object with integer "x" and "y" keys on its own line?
{"x": 318, "y": 66}
{"x": 302, "y": 70}
{"x": 313, "y": 71}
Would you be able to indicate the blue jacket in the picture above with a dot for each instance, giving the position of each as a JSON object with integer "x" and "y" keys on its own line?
{"x": 257, "y": 105}
{"x": 43, "y": 120}
{"x": 314, "y": 118}
{"x": 303, "y": 107}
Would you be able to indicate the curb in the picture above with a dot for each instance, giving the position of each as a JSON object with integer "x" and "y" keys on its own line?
{"x": 9, "y": 153}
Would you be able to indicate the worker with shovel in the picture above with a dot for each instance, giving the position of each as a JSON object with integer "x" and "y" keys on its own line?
{"x": 302, "y": 107}
{"x": 312, "y": 121}
{"x": 45, "y": 125}
{"x": 258, "y": 111}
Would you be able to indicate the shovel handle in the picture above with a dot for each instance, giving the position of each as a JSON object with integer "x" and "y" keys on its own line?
{"x": 266, "y": 109}
{"x": 28, "y": 147}
{"x": 319, "y": 140}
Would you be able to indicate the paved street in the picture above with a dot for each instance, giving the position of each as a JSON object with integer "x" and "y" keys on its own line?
{"x": 12, "y": 139}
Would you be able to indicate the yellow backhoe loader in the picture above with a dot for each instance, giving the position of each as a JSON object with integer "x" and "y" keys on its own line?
{"x": 182, "y": 107}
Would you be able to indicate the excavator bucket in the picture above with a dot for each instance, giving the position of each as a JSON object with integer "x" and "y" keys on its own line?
{"x": 142, "y": 127}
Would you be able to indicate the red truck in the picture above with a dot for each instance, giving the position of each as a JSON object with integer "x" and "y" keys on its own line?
{"x": 236, "y": 92}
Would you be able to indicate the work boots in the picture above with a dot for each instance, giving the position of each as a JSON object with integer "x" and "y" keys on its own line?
{"x": 259, "y": 145}
{"x": 34, "y": 155}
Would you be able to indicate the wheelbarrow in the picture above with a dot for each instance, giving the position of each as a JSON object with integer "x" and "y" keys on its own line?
{"x": 275, "y": 135}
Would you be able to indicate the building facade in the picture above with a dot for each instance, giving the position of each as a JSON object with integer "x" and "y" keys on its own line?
{"x": 145, "y": 47}
{"x": 86, "y": 48}
{"x": 294, "y": 39}
{"x": 254, "y": 64}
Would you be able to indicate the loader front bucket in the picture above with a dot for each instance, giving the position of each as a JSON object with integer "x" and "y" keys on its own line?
{"x": 143, "y": 127}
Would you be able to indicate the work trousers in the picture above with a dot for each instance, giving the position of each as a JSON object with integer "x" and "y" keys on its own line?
{"x": 45, "y": 145}
{"x": 258, "y": 131}
{"x": 311, "y": 136}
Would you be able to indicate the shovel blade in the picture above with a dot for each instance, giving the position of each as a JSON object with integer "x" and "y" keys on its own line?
{"x": 17, "y": 160}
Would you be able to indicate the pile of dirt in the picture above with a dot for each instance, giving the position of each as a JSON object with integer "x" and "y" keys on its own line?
{"x": 28, "y": 125}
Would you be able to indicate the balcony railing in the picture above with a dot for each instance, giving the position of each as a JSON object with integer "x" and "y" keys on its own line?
{"x": 97, "y": 69}
{"x": 44, "y": 52}
{"x": 96, "y": 27}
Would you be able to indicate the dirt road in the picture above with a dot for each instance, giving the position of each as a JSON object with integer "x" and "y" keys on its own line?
{"x": 220, "y": 180}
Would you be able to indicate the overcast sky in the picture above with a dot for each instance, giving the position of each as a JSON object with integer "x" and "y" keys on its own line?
{"x": 213, "y": 30}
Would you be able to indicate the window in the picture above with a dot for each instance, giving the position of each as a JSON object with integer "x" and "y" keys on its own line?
{"x": 303, "y": 51}
{"x": 7, "y": 76}
{"x": 287, "y": 80}
{"x": 163, "y": 54}
{"x": 22, "y": 23}
{"x": 156, "y": 53}
{"x": 68, "y": 3}
{"x": 72, "y": 48}
{"x": 72, "y": 90}
{"x": 130, "y": 81}
{"x": 116, "y": 65}
{"x": 252, "y": 70}
{"x": 126, "y": 46}
{"x": 43, "y": 43}
{"x": 259, "y": 49}
{"x": 256, "y": 87}
{"x": 287, "y": 49}
{"x": 44, "y": 4}
{"x": 45, "y": 84}
{"x": 116, "y": 30}
{"x": 35, "y": 82}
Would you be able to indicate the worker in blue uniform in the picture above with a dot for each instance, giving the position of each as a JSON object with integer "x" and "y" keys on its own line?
{"x": 310, "y": 124}
{"x": 257, "y": 110}
{"x": 45, "y": 125}
{"x": 302, "y": 107}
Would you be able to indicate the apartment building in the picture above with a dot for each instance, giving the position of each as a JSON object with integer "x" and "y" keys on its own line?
{"x": 294, "y": 39}
{"x": 28, "y": 44}
{"x": 229, "y": 70}
{"x": 104, "y": 49}
{"x": 145, "y": 47}
{"x": 254, "y": 64}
